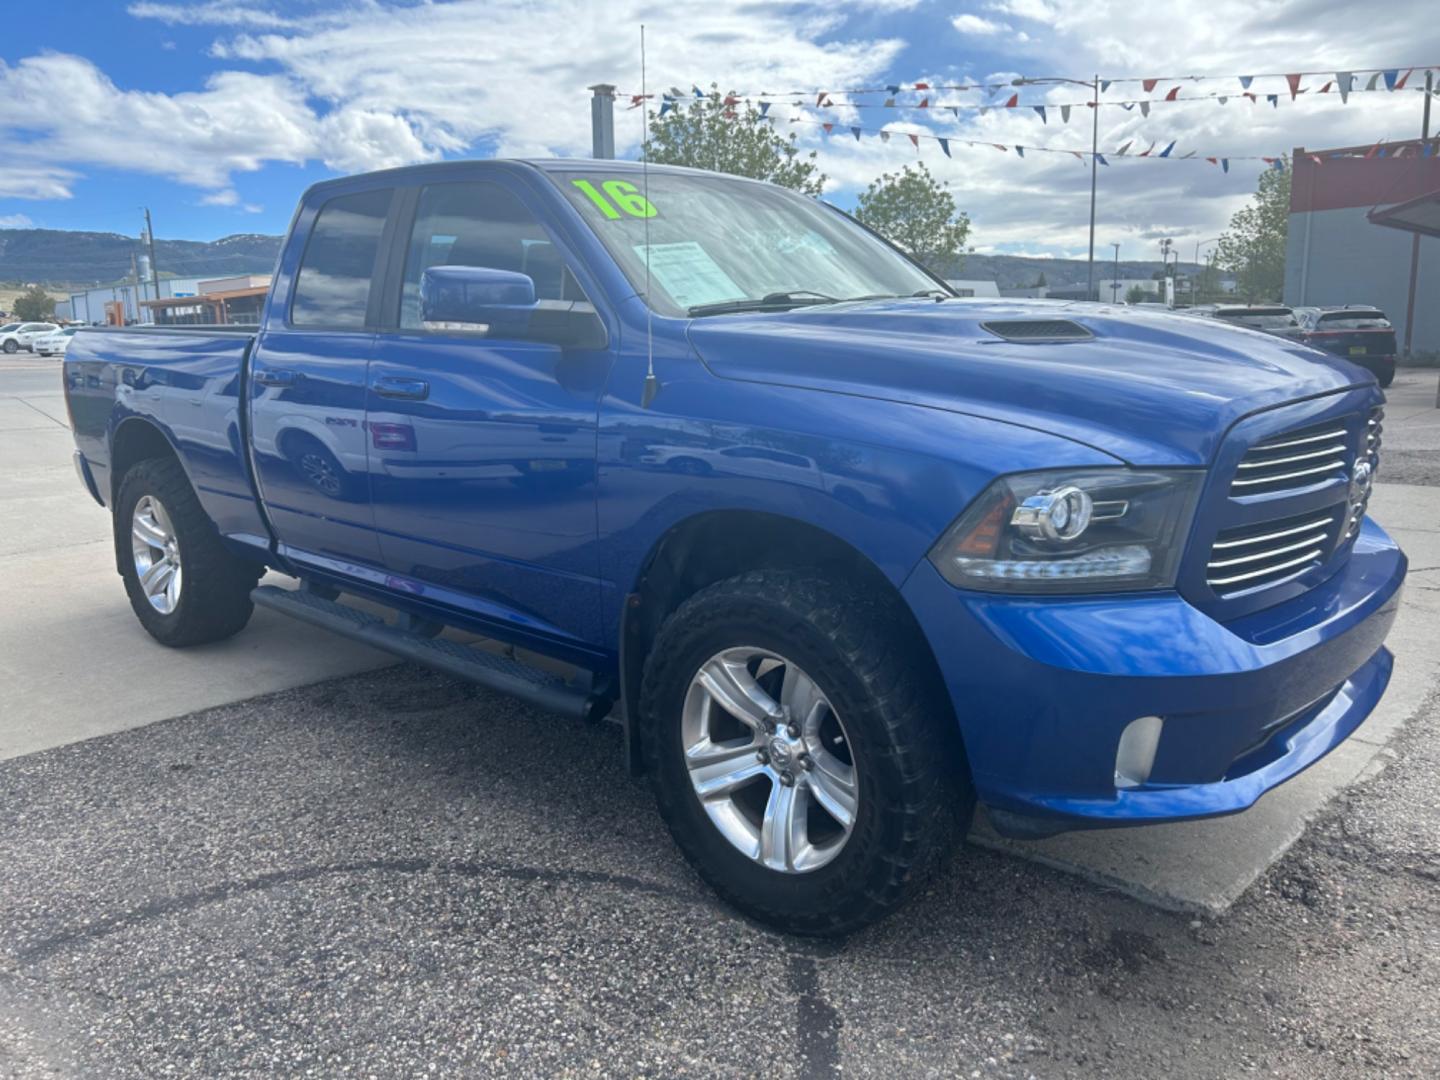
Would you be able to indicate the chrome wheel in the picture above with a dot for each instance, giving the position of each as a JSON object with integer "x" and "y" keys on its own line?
{"x": 157, "y": 554}
{"x": 320, "y": 471}
{"x": 769, "y": 760}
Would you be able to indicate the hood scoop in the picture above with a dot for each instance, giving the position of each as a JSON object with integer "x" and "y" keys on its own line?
{"x": 1037, "y": 331}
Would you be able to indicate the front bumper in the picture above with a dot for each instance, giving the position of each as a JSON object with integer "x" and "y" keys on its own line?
{"x": 1043, "y": 688}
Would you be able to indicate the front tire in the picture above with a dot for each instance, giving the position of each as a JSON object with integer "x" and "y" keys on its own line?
{"x": 12, "y": 346}
{"x": 185, "y": 586}
{"x": 796, "y": 749}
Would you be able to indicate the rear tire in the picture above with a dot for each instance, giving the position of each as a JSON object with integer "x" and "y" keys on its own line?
{"x": 12, "y": 346}
{"x": 901, "y": 786}
{"x": 1386, "y": 378}
{"x": 195, "y": 590}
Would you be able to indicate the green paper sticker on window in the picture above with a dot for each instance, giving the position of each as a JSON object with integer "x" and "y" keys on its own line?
{"x": 621, "y": 193}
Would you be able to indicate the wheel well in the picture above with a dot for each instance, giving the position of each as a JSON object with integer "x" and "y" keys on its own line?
{"x": 714, "y": 546}
{"x": 135, "y": 441}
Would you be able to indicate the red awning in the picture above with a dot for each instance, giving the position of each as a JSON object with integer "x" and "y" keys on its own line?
{"x": 1421, "y": 215}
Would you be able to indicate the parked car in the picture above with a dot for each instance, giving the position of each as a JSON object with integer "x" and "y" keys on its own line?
{"x": 1358, "y": 332}
{"x": 1271, "y": 318}
{"x": 24, "y": 335}
{"x": 844, "y": 553}
{"x": 55, "y": 342}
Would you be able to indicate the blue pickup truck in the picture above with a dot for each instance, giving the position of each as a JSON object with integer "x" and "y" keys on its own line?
{"x": 843, "y": 552}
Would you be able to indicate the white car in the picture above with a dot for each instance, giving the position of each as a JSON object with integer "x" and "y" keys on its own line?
{"x": 24, "y": 334}
{"x": 55, "y": 342}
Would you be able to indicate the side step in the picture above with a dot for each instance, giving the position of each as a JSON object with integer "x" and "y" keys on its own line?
{"x": 542, "y": 689}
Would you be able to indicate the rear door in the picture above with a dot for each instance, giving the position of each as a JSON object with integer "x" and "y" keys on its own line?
{"x": 308, "y": 387}
{"x": 483, "y": 449}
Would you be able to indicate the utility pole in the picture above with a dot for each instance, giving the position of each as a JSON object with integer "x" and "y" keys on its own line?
{"x": 1115, "y": 275}
{"x": 1415, "y": 237}
{"x": 1094, "y": 167}
{"x": 602, "y": 120}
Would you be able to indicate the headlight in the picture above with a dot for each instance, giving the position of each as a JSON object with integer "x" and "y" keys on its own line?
{"x": 1072, "y": 531}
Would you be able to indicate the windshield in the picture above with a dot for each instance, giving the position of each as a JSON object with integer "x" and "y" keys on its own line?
{"x": 724, "y": 244}
{"x": 1353, "y": 320}
{"x": 1260, "y": 320}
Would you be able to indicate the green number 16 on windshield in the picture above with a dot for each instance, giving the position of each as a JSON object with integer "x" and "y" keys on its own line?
{"x": 623, "y": 194}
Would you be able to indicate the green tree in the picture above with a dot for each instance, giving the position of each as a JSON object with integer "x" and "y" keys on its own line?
{"x": 721, "y": 134}
{"x": 34, "y": 304}
{"x": 1136, "y": 295}
{"x": 916, "y": 213}
{"x": 1253, "y": 248}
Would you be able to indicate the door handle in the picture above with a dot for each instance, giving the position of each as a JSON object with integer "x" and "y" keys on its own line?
{"x": 275, "y": 377}
{"x": 405, "y": 389}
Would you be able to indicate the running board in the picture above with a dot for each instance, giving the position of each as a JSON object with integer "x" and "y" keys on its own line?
{"x": 543, "y": 689}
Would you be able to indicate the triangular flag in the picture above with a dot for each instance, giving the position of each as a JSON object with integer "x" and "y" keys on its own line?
{"x": 1041, "y": 110}
{"x": 955, "y": 112}
{"x": 893, "y": 89}
{"x": 1274, "y": 100}
{"x": 1127, "y": 105}
{"x": 922, "y": 86}
{"x": 1174, "y": 90}
{"x": 828, "y": 128}
{"x": 1225, "y": 164}
{"x": 1144, "y": 108}
{"x": 666, "y": 106}
{"x": 884, "y": 135}
{"x": 1104, "y": 85}
{"x": 856, "y": 132}
{"x": 1390, "y": 77}
{"x": 944, "y": 145}
{"x": 1187, "y": 156}
{"x": 1148, "y": 84}
{"x": 1121, "y": 151}
{"x": 1000, "y": 147}
{"x": 888, "y": 103}
{"x": 1252, "y": 97}
{"x": 915, "y": 141}
{"x": 1374, "y": 79}
{"x": 1372, "y": 151}
{"x": 1326, "y": 88}
{"x": 1166, "y": 151}
{"x": 1065, "y": 113}
{"x": 984, "y": 109}
{"x": 1101, "y": 159}
{"x": 1020, "y": 150}
{"x": 1014, "y": 100}
{"x": 1344, "y": 80}
{"x": 1147, "y": 150}
{"x": 1278, "y": 164}
{"x": 1404, "y": 79}
{"x": 1222, "y": 99}
{"x": 764, "y": 107}
{"x": 1294, "y": 81}
{"x": 1316, "y": 158}
{"x": 1246, "y": 80}
{"x": 697, "y": 91}
{"x": 1213, "y": 161}
{"x": 924, "y": 103}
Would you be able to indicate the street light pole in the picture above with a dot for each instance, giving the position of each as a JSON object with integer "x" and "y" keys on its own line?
{"x": 1115, "y": 275}
{"x": 1094, "y": 168}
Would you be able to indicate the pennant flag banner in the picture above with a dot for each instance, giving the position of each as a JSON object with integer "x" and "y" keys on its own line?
{"x": 1294, "y": 81}
{"x": 1040, "y": 111}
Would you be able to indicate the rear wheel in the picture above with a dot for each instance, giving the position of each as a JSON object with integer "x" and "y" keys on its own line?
{"x": 12, "y": 346}
{"x": 796, "y": 752}
{"x": 185, "y": 586}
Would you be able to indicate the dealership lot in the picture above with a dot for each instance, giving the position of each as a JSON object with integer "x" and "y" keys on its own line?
{"x": 390, "y": 871}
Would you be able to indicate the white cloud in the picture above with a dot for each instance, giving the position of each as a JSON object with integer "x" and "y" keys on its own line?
{"x": 15, "y": 221}
{"x": 213, "y": 13}
{"x": 974, "y": 24}
{"x": 20, "y": 180}
{"x": 227, "y": 197}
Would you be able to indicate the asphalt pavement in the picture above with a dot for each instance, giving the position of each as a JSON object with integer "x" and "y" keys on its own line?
{"x": 394, "y": 874}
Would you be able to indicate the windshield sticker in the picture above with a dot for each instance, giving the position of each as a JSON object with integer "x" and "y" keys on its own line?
{"x": 622, "y": 193}
{"x": 688, "y": 273}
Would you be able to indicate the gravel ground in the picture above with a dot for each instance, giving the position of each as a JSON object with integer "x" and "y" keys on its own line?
{"x": 396, "y": 874}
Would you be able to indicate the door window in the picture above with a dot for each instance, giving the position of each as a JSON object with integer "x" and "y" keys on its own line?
{"x": 333, "y": 285}
{"x": 481, "y": 224}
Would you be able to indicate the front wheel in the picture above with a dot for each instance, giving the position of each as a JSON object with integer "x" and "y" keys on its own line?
{"x": 12, "y": 346}
{"x": 185, "y": 586}
{"x": 796, "y": 750}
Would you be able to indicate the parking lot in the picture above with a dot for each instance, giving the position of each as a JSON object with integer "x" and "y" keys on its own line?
{"x": 374, "y": 870}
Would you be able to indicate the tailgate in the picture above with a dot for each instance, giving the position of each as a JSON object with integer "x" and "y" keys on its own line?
{"x": 1380, "y": 342}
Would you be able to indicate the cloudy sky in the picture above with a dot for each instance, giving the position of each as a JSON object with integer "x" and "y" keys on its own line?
{"x": 216, "y": 113}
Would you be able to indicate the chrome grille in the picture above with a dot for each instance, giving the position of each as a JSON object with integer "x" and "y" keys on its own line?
{"x": 1293, "y": 460}
{"x": 1269, "y": 553}
{"x": 1362, "y": 482}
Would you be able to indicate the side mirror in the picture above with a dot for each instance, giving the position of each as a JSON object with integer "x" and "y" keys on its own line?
{"x": 477, "y": 300}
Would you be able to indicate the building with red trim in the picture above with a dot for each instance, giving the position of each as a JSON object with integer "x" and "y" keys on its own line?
{"x": 1354, "y": 212}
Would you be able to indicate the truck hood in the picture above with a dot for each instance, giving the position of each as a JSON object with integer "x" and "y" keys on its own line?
{"x": 1149, "y": 388}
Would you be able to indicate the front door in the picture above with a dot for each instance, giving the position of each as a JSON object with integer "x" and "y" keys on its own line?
{"x": 482, "y": 450}
{"x": 307, "y": 410}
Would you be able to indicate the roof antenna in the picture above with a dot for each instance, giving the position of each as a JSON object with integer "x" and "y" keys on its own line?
{"x": 652, "y": 384}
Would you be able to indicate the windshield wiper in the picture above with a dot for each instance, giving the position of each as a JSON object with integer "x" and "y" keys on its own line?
{"x": 775, "y": 301}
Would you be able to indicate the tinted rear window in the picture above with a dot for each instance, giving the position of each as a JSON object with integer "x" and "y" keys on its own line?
{"x": 1353, "y": 320}
{"x": 333, "y": 285}
{"x": 1259, "y": 320}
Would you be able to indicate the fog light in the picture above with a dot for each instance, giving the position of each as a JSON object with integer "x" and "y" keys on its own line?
{"x": 1135, "y": 756}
